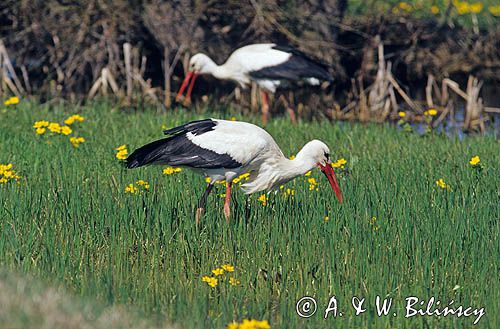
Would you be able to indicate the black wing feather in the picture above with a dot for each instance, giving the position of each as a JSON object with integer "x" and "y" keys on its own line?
{"x": 298, "y": 67}
{"x": 178, "y": 150}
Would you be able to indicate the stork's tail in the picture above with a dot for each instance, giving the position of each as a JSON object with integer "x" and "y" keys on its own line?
{"x": 147, "y": 154}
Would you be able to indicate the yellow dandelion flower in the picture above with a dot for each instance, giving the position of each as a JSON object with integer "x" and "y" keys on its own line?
{"x": 212, "y": 282}
{"x": 40, "y": 131}
{"x": 11, "y": 101}
{"x": 474, "y": 161}
{"x": 171, "y": 170}
{"x": 442, "y": 184}
{"x": 234, "y": 281}
{"x": 207, "y": 179}
{"x": 66, "y": 130}
{"x": 228, "y": 268}
{"x": 233, "y": 119}
{"x": 308, "y": 173}
{"x": 122, "y": 154}
{"x": 74, "y": 118}
{"x": 476, "y": 7}
{"x": 339, "y": 163}
{"x": 405, "y": 6}
{"x": 218, "y": 271}
{"x": 233, "y": 325}
{"x": 121, "y": 147}
{"x": 289, "y": 192}
{"x": 131, "y": 188}
{"x": 435, "y": 10}
{"x": 494, "y": 10}
{"x": 76, "y": 141}
{"x": 292, "y": 157}
{"x": 54, "y": 127}
{"x": 312, "y": 181}
{"x": 326, "y": 219}
{"x": 401, "y": 114}
{"x": 462, "y": 7}
{"x": 254, "y": 324}
{"x": 40, "y": 124}
{"x": 143, "y": 183}
{"x": 263, "y": 199}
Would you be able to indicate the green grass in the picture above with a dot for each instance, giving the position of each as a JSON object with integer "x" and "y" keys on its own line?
{"x": 69, "y": 221}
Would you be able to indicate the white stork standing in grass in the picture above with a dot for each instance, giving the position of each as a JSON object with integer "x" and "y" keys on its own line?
{"x": 223, "y": 150}
{"x": 269, "y": 65}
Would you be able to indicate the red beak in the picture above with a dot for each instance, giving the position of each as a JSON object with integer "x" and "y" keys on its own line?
{"x": 190, "y": 76}
{"x": 328, "y": 171}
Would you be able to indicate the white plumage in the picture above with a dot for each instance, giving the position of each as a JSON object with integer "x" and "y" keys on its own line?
{"x": 269, "y": 65}
{"x": 223, "y": 150}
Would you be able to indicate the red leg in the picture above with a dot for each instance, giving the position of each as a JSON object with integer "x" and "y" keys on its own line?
{"x": 227, "y": 210}
{"x": 265, "y": 106}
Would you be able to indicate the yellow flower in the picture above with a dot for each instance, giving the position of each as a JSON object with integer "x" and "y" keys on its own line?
{"x": 494, "y": 10}
{"x": 289, "y": 192}
{"x": 234, "y": 281}
{"x": 212, "y": 282}
{"x": 339, "y": 163}
{"x": 254, "y": 324}
{"x": 171, "y": 170}
{"x": 122, "y": 155}
{"x": 66, "y": 130}
{"x": 326, "y": 219}
{"x": 263, "y": 199}
{"x": 11, "y": 101}
{"x": 233, "y": 325}
{"x": 404, "y": 6}
{"x": 76, "y": 141}
{"x": 435, "y": 10}
{"x": 228, "y": 268}
{"x": 475, "y": 160}
{"x": 130, "y": 188}
{"x": 308, "y": 173}
{"x": 476, "y": 7}
{"x": 313, "y": 184}
{"x": 55, "y": 127}
{"x": 6, "y": 173}
{"x": 40, "y": 124}
{"x": 441, "y": 183}
{"x": 70, "y": 120}
{"x": 431, "y": 112}
{"x": 207, "y": 179}
{"x": 143, "y": 183}
{"x": 462, "y": 7}
{"x": 40, "y": 131}
{"x": 402, "y": 114}
{"x": 292, "y": 157}
{"x": 218, "y": 271}
{"x": 233, "y": 118}
{"x": 122, "y": 152}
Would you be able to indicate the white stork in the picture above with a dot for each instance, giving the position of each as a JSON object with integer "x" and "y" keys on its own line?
{"x": 223, "y": 150}
{"x": 269, "y": 65}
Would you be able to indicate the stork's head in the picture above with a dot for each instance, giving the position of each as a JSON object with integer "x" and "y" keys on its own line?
{"x": 318, "y": 154}
{"x": 198, "y": 64}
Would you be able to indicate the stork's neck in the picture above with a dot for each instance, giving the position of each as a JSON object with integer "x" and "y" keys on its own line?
{"x": 218, "y": 71}
{"x": 299, "y": 166}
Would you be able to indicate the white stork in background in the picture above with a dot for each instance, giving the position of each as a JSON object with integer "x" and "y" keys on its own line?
{"x": 269, "y": 65}
{"x": 223, "y": 150}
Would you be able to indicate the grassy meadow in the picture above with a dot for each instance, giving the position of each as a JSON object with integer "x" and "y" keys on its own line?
{"x": 68, "y": 221}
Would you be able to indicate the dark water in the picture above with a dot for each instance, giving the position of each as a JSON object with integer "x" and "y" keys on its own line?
{"x": 453, "y": 125}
